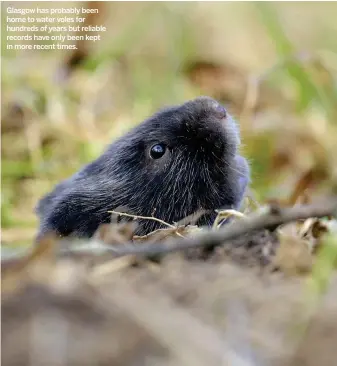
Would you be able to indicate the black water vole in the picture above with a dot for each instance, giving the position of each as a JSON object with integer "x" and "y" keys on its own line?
{"x": 180, "y": 160}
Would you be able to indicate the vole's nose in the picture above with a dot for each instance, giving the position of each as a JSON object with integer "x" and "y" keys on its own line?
{"x": 212, "y": 106}
{"x": 219, "y": 110}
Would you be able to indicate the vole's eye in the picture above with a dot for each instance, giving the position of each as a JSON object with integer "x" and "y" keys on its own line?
{"x": 157, "y": 151}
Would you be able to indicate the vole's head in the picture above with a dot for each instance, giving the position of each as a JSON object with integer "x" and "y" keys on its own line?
{"x": 179, "y": 161}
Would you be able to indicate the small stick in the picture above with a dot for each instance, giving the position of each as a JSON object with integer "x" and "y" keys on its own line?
{"x": 143, "y": 218}
{"x": 147, "y": 218}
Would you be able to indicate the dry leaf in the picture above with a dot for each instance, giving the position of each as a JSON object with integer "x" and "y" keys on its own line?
{"x": 294, "y": 254}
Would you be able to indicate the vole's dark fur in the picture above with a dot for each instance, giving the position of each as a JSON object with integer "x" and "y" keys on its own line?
{"x": 201, "y": 169}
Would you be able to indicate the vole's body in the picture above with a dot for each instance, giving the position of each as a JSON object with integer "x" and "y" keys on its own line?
{"x": 200, "y": 169}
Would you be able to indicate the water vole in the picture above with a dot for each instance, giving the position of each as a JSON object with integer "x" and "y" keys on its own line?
{"x": 180, "y": 160}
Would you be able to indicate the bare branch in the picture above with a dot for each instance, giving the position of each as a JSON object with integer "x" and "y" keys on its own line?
{"x": 275, "y": 216}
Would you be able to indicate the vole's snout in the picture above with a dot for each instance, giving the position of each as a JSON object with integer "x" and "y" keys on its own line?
{"x": 219, "y": 110}
{"x": 212, "y": 106}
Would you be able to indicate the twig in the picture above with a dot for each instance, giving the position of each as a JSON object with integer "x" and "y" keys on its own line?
{"x": 143, "y": 218}
{"x": 147, "y": 218}
{"x": 274, "y": 217}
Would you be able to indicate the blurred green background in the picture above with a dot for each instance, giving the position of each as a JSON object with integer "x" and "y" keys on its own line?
{"x": 274, "y": 65}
